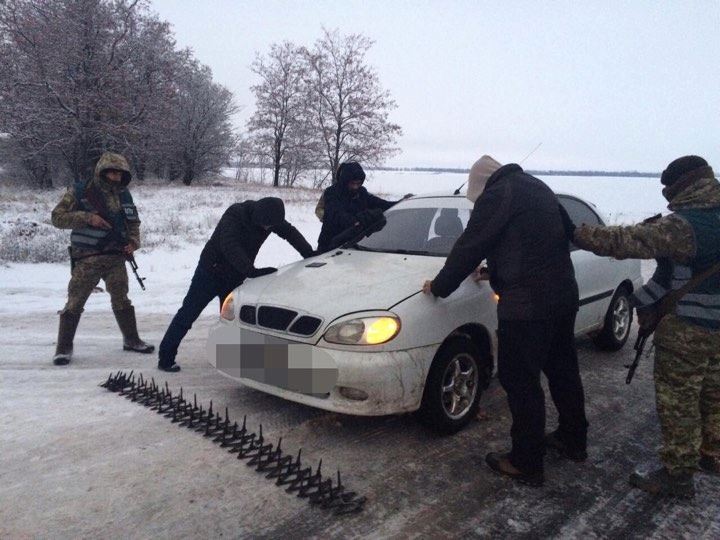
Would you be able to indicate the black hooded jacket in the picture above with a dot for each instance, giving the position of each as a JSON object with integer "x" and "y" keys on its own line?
{"x": 517, "y": 226}
{"x": 230, "y": 253}
{"x": 342, "y": 208}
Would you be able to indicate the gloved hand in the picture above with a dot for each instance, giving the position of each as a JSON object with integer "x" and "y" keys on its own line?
{"x": 369, "y": 217}
{"x": 257, "y": 272}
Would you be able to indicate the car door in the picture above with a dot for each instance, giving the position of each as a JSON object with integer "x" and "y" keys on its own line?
{"x": 596, "y": 276}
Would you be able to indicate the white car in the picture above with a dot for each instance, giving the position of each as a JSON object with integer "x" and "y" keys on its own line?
{"x": 350, "y": 330}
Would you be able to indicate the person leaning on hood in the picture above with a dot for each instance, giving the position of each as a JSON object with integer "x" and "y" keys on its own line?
{"x": 519, "y": 226}
{"x": 348, "y": 204}
{"x": 98, "y": 247}
{"x": 226, "y": 260}
{"x": 687, "y": 341}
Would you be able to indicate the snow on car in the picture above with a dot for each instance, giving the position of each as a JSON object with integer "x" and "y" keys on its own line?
{"x": 350, "y": 330}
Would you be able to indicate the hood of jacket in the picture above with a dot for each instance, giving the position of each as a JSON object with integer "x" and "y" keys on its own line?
{"x": 110, "y": 160}
{"x": 267, "y": 212}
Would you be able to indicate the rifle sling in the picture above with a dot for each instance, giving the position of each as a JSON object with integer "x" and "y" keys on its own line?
{"x": 668, "y": 302}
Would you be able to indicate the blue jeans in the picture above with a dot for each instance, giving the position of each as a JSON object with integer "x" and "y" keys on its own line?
{"x": 203, "y": 288}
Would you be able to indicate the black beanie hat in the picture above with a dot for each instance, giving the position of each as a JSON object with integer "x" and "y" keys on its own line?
{"x": 268, "y": 212}
{"x": 350, "y": 170}
{"x": 680, "y": 167}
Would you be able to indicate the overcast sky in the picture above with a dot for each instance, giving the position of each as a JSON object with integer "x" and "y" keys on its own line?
{"x": 602, "y": 85}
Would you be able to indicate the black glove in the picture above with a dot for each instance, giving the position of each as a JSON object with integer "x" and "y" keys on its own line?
{"x": 257, "y": 272}
{"x": 369, "y": 217}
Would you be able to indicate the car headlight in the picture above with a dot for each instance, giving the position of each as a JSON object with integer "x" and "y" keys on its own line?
{"x": 364, "y": 331}
{"x": 227, "y": 311}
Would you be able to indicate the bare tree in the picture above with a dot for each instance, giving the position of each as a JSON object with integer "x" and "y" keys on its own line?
{"x": 349, "y": 109}
{"x": 278, "y": 125}
{"x": 202, "y": 137}
{"x": 79, "y": 77}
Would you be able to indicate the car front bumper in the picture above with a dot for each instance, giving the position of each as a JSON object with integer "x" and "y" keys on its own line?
{"x": 351, "y": 382}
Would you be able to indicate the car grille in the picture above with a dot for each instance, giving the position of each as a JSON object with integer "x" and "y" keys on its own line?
{"x": 247, "y": 314}
{"x": 281, "y": 319}
{"x": 305, "y": 325}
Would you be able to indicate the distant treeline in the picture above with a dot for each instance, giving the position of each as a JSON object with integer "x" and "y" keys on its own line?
{"x": 624, "y": 174}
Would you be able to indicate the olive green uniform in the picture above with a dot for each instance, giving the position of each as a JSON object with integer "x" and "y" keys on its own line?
{"x": 687, "y": 351}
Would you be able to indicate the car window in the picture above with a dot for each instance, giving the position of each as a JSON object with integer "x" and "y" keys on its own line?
{"x": 579, "y": 213}
{"x": 426, "y": 231}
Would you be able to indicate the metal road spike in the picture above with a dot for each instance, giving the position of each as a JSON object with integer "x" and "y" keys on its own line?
{"x": 301, "y": 476}
{"x": 283, "y": 463}
{"x": 227, "y": 418}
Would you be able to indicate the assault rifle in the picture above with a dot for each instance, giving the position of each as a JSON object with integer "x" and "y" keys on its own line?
{"x": 117, "y": 222}
{"x": 650, "y": 317}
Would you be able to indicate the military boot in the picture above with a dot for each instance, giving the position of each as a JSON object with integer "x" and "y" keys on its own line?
{"x": 128, "y": 326}
{"x": 66, "y": 334}
{"x": 709, "y": 464}
{"x": 665, "y": 483}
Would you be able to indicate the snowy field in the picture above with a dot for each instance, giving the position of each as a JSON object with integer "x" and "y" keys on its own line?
{"x": 177, "y": 220}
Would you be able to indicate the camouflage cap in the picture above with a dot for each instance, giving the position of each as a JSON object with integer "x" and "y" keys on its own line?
{"x": 110, "y": 161}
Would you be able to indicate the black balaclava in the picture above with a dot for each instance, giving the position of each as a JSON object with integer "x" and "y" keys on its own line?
{"x": 268, "y": 212}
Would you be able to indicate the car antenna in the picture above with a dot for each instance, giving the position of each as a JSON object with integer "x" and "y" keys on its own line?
{"x": 457, "y": 191}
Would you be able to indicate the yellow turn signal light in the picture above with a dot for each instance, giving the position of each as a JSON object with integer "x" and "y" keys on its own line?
{"x": 381, "y": 330}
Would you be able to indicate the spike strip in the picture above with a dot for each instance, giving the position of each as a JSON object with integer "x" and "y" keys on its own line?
{"x": 265, "y": 457}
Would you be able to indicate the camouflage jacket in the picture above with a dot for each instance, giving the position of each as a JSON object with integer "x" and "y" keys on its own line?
{"x": 68, "y": 214}
{"x": 669, "y": 237}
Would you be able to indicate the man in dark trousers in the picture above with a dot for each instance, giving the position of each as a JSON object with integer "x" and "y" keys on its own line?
{"x": 348, "y": 204}
{"x": 227, "y": 259}
{"x": 518, "y": 226}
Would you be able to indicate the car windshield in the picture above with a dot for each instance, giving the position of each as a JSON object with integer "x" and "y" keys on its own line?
{"x": 427, "y": 230}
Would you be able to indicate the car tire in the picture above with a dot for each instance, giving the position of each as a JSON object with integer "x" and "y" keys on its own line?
{"x": 458, "y": 376}
{"x": 617, "y": 322}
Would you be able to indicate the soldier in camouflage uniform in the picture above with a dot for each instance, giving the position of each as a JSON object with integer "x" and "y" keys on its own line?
{"x": 687, "y": 341}
{"x": 105, "y": 229}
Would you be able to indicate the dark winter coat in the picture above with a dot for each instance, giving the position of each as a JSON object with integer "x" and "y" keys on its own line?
{"x": 517, "y": 226}
{"x": 342, "y": 209}
{"x": 230, "y": 253}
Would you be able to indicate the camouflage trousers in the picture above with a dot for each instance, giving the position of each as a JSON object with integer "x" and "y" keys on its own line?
{"x": 687, "y": 391}
{"x": 88, "y": 272}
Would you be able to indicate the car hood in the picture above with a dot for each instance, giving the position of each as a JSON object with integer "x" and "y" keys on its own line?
{"x": 342, "y": 282}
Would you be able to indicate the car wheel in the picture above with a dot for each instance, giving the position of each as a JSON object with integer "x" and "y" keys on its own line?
{"x": 457, "y": 377}
{"x": 616, "y": 328}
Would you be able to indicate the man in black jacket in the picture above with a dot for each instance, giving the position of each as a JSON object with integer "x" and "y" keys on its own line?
{"x": 518, "y": 226}
{"x": 227, "y": 259}
{"x": 348, "y": 204}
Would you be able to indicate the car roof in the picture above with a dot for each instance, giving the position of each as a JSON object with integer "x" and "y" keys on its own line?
{"x": 446, "y": 195}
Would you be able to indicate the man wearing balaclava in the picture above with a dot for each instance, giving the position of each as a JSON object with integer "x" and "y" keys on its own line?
{"x": 687, "y": 340}
{"x": 226, "y": 260}
{"x": 517, "y": 225}
{"x": 347, "y": 204}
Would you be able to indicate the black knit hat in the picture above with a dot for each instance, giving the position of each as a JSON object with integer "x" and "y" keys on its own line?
{"x": 679, "y": 167}
{"x": 349, "y": 171}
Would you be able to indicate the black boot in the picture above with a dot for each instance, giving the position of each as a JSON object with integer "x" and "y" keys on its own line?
{"x": 665, "y": 483}
{"x": 501, "y": 464}
{"x": 128, "y": 326}
{"x": 709, "y": 464}
{"x": 555, "y": 441}
{"x": 66, "y": 334}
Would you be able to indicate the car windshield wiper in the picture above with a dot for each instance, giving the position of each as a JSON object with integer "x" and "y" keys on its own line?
{"x": 407, "y": 251}
{"x": 364, "y": 248}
